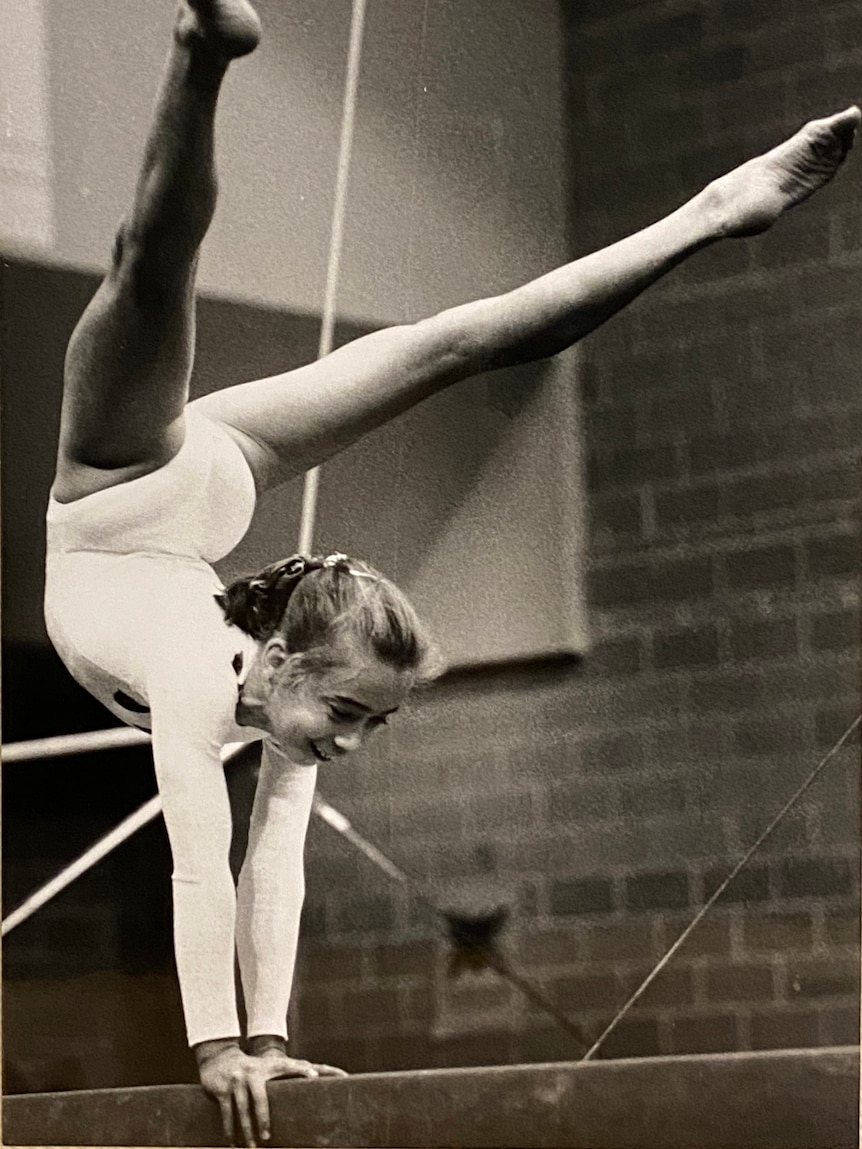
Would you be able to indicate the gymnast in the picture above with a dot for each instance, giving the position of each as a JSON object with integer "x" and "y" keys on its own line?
{"x": 311, "y": 654}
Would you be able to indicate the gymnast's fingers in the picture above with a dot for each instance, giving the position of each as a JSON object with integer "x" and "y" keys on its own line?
{"x": 331, "y": 1071}
{"x": 226, "y": 1108}
{"x": 240, "y": 1099}
{"x": 260, "y": 1101}
{"x": 293, "y": 1067}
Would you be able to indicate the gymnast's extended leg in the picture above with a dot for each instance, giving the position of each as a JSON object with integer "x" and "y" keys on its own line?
{"x": 130, "y": 357}
{"x": 298, "y": 419}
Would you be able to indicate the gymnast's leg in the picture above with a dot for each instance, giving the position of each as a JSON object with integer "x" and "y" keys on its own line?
{"x": 130, "y": 357}
{"x": 300, "y": 418}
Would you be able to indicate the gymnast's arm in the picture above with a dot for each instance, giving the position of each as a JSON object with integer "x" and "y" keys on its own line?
{"x": 269, "y": 904}
{"x": 189, "y": 699}
{"x": 271, "y": 889}
{"x": 186, "y": 751}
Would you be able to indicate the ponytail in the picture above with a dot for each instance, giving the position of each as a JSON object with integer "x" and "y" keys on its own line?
{"x": 316, "y": 604}
{"x": 256, "y": 604}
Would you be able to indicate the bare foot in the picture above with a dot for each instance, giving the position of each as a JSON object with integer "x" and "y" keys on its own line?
{"x": 752, "y": 197}
{"x": 230, "y": 27}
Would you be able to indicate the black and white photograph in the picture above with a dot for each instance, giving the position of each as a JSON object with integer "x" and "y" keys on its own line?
{"x": 431, "y": 571}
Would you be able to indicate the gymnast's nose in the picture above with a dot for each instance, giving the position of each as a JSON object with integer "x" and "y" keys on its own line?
{"x": 349, "y": 741}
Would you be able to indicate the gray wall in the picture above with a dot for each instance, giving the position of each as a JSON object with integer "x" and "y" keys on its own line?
{"x": 458, "y": 190}
{"x": 459, "y": 180}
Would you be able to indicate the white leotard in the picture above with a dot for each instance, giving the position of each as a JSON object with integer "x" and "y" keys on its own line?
{"x": 130, "y": 607}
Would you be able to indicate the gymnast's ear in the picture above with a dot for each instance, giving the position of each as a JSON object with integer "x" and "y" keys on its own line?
{"x": 278, "y": 664}
{"x": 274, "y": 655}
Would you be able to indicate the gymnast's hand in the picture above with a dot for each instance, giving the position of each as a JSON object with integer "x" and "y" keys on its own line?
{"x": 237, "y": 1081}
{"x": 272, "y": 1052}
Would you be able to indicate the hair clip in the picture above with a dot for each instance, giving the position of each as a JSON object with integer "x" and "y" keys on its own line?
{"x": 341, "y": 562}
{"x": 291, "y": 568}
{"x": 295, "y": 566}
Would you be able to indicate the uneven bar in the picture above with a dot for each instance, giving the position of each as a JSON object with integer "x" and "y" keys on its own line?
{"x": 790, "y": 1099}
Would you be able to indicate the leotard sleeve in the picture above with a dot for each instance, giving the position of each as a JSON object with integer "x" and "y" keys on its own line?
{"x": 198, "y": 818}
{"x": 271, "y": 889}
{"x": 191, "y": 691}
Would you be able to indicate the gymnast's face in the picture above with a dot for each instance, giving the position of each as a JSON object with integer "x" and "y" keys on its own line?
{"x": 320, "y": 716}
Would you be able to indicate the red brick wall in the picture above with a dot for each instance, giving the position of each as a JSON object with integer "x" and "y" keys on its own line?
{"x": 723, "y": 415}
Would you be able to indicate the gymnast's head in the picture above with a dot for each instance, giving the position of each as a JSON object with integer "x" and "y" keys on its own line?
{"x": 339, "y": 649}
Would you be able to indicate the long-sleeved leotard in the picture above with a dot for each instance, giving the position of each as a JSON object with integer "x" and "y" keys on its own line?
{"x": 130, "y": 607}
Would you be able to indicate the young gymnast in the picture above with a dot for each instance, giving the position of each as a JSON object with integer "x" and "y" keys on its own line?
{"x": 310, "y": 655}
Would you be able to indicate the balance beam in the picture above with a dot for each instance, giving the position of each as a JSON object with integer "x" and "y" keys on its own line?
{"x": 789, "y": 1099}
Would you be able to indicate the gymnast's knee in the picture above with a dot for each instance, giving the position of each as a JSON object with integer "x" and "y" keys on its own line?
{"x": 149, "y": 269}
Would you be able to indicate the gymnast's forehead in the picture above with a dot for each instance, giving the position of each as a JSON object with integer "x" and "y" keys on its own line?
{"x": 365, "y": 681}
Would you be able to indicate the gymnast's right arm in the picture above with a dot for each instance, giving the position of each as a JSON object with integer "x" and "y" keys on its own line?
{"x": 187, "y": 717}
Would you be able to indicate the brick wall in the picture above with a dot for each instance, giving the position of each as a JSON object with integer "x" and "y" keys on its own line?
{"x": 603, "y": 806}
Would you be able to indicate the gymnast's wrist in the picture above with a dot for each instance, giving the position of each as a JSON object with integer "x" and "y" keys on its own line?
{"x": 263, "y": 1043}
{"x": 205, "y": 1051}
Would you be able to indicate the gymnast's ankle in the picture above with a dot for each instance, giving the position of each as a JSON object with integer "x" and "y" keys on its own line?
{"x": 226, "y": 28}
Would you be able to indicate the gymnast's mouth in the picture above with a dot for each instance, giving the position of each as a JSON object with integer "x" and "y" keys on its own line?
{"x": 318, "y": 753}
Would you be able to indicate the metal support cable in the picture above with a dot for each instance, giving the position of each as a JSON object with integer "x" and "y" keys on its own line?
{"x": 707, "y": 906}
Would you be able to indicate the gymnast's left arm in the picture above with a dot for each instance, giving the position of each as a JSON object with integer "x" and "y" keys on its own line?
{"x": 270, "y": 894}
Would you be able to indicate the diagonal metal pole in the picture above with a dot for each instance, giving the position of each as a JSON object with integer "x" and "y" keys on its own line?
{"x": 105, "y": 845}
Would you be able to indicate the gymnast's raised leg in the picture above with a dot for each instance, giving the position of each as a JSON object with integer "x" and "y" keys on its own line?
{"x": 306, "y": 415}
{"x": 129, "y": 360}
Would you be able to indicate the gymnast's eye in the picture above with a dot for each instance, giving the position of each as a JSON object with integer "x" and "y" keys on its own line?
{"x": 341, "y": 715}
